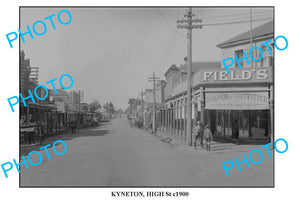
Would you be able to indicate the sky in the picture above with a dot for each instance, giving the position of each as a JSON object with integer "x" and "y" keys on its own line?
{"x": 110, "y": 52}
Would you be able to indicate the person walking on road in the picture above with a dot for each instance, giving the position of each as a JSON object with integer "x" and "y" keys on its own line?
{"x": 207, "y": 136}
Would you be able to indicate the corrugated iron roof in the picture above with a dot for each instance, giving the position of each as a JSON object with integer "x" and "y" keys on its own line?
{"x": 260, "y": 31}
{"x": 197, "y": 65}
{"x": 60, "y": 92}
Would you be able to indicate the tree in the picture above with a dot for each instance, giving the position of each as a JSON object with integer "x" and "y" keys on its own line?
{"x": 94, "y": 106}
{"x": 109, "y": 107}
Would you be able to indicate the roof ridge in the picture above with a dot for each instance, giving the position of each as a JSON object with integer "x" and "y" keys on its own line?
{"x": 257, "y": 31}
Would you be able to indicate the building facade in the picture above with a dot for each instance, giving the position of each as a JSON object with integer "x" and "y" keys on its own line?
{"x": 239, "y": 105}
{"x": 25, "y": 71}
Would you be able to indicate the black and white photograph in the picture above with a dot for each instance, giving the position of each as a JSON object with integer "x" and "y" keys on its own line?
{"x": 146, "y": 96}
{"x": 149, "y": 106}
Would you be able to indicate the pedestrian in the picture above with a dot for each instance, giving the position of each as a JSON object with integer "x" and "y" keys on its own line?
{"x": 32, "y": 127}
{"x": 198, "y": 134}
{"x": 40, "y": 129}
{"x": 207, "y": 136}
{"x": 22, "y": 120}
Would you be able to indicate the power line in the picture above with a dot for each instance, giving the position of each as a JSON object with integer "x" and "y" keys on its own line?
{"x": 235, "y": 15}
{"x": 235, "y": 22}
{"x": 181, "y": 52}
{"x": 153, "y": 79}
{"x": 168, "y": 23}
{"x": 162, "y": 59}
{"x": 177, "y": 53}
{"x": 237, "y": 19}
{"x": 165, "y": 55}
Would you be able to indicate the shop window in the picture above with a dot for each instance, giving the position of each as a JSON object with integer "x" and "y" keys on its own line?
{"x": 259, "y": 123}
{"x": 219, "y": 121}
{"x": 227, "y": 122}
{"x": 234, "y": 120}
{"x": 223, "y": 122}
{"x": 244, "y": 123}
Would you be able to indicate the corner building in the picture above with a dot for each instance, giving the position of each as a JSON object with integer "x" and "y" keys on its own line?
{"x": 239, "y": 105}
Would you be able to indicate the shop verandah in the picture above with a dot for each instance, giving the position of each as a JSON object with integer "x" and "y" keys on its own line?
{"x": 239, "y": 126}
{"x": 38, "y": 121}
{"x": 240, "y": 119}
{"x": 172, "y": 120}
{"x": 236, "y": 110}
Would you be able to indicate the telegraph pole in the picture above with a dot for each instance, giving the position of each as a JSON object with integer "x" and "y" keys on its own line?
{"x": 251, "y": 35}
{"x": 142, "y": 107}
{"x": 142, "y": 104}
{"x": 188, "y": 24}
{"x": 154, "y": 106}
{"x": 153, "y": 78}
{"x": 80, "y": 93}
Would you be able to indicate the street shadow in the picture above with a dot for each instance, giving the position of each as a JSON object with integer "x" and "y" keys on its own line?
{"x": 86, "y": 133}
{"x": 106, "y": 123}
{"x": 229, "y": 147}
{"x": 91, "y": 132}
{"x": 220, "y": 147}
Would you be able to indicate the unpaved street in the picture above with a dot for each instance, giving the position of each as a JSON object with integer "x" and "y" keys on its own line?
{"x": 114, "y": 154}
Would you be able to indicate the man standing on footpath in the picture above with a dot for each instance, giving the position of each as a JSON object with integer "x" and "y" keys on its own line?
{"x": 207, "y": 136}
{"x": 198, "y": 134}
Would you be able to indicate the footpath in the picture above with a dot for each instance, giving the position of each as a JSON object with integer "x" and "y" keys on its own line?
{"x": 216, "y": 147}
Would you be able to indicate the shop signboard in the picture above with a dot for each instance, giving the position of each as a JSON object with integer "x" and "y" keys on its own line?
{"x": 235, "y": 76}
{"x": 60, "y": 106}
{"x": 237, "y": 101}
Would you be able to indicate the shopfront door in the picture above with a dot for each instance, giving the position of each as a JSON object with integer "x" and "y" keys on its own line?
{"x": 213, "y": 121}
{"x": 235, "y": 124}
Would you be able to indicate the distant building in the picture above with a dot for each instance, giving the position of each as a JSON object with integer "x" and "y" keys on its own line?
{"x": 24, "y": 73}
{"x": 173, "y": 77}
{"x": 75, "y": 98}
{"x": 28, "y": 81}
